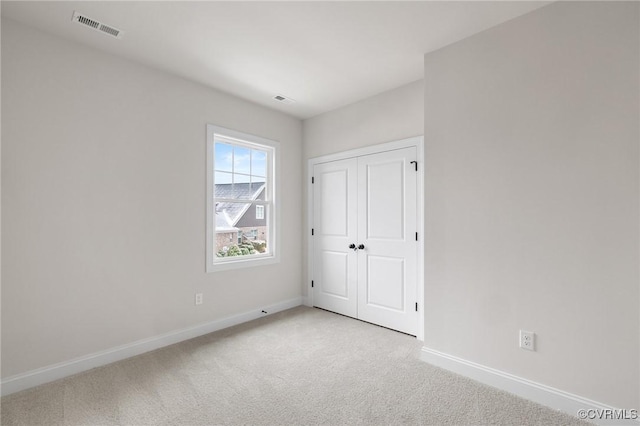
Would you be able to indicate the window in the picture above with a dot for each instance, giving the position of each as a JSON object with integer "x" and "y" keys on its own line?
{"x": 241, "y": 199}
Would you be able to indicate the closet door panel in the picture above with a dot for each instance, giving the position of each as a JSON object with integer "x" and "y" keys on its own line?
{"x": 387, "y": 223}
{"x": 335, "y": 228}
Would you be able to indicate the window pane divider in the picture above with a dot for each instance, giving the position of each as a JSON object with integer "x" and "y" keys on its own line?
{"x": 241, "y": 201}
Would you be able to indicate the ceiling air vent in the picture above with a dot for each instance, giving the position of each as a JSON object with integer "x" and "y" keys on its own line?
{"x": 96, "y": 25}
{"x": 283, "y": 99}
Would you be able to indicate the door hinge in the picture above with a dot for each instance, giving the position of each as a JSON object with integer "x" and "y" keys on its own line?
{"x": 415, "y": 163}
{"x": 312, "y": 231}
{"x": 416, "y": 236}
{"x": 311, "y": 283}
{"x": 313, "y": 179}
{"x": 416, "y": 306}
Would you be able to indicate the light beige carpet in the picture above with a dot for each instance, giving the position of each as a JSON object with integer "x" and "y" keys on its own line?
{"x": 299, "y": 367}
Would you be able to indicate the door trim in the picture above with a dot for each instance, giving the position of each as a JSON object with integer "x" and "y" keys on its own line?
{"x": 418, "y": 143}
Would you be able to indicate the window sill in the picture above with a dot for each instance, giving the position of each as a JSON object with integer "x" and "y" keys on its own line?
{"x": 242, "y": 263}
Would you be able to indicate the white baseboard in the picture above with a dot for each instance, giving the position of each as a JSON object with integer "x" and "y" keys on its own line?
{"x": 58, "y": 371}
{"x": 542, "y": 394}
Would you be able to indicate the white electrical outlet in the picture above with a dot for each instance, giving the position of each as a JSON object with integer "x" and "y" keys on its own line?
{"x": 198, "y": 298}
{"x": 528, "y": 340}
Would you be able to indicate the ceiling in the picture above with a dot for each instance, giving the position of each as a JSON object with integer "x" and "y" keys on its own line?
{"x": 324, "y": 55}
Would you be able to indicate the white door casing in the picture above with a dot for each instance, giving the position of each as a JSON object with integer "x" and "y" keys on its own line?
{"x": 368, "y": 201}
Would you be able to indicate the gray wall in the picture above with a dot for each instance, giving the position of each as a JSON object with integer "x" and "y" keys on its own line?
{"x": 391, "y": 115}
{"x": 531, "y": 133}
{"x": 103, "y": 194}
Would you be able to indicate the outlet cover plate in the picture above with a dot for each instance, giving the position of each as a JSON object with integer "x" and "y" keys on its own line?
{"x": 528, "y": 340}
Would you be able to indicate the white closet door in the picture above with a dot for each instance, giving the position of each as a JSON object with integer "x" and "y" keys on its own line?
{"x": 387, "y": 225}
{"x": 335, "y": 228}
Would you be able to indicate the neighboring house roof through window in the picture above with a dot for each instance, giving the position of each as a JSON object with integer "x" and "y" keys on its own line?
{"x": 228, "y": 214}
{"x": 223, "y": 222}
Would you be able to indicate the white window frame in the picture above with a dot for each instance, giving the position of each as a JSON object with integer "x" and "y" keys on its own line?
{"x": 259, "y": 212}
{"x": 214, "y": 264}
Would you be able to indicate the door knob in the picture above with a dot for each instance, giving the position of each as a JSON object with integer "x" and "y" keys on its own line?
{"x": 353, "y": 247}
{"x": 361, "y": 247}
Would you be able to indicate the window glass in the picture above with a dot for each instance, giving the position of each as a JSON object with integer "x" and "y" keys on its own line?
{"x": 241, "y": 223}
